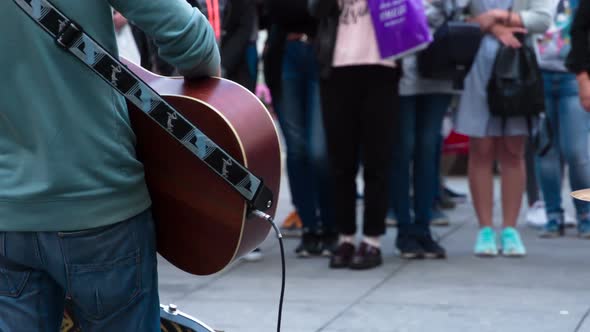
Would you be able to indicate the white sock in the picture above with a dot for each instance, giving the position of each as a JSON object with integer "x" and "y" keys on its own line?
{"x": 372, "y": 240}
{"x": 346, "y": 239}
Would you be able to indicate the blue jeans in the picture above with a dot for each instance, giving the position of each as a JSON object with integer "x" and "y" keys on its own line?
{"x": 109, "y": 273}
{"x": 302, "y": 125}
{"x": 417, "y": 146}
{"x": 570, "y": 125}
{"x": 252, "y": 60}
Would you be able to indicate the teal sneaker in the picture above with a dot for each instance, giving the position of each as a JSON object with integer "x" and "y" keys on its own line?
{"x": 485, "y": 245}
{"x": 512, "y": 245}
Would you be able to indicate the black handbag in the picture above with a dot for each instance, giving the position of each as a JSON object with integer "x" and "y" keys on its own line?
{"x": 515, "y": 88}
{"x": 452, "y": 52}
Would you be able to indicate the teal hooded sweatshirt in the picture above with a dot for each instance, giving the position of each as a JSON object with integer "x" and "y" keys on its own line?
{"x": 67, "y": 156}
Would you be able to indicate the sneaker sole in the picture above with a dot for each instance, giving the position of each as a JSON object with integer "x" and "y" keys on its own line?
{"x": 303, "y": 254}
{"x": 550, "y": 235}
{"x": 440, "y": 222}
{"x": 411, "y": 256}
{"x": 486, "y": 255}
{"x": 514, "y": 255}
{"x": 435, "y": 256}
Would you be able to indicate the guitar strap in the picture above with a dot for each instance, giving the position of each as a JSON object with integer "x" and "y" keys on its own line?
{"x": 69, "y": 36}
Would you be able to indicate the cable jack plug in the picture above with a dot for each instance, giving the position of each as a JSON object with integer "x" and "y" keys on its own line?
{"x": 270, "y": 220}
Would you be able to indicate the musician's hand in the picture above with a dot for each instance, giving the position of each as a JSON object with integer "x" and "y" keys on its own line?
{"x": 119, "y": 21}
{"x": 584, "y": 86}
{"x": 506, "y": 35}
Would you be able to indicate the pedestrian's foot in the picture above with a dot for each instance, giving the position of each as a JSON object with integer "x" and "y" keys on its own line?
{"x": 584, "y": 228}
{"x": 254, "y": 256}
{"x": 431, "y": 248}
{"x": 454, "y": 196}
{"x": 328, "y": 243}
{"x": 342, "y": 256}
{"x": 535, "y": 215}
{"x": 446, "y": 203}
{"x": 292, "y": 226}
{"x": 366, "y": 257}
{"x": 553, "y": 228}
{"x": 408, "y": 247}
{"x": 309, "y": 246}
{"x": 485, "y": 245}
{"x": 439, "y": 218}
{"x": 512, "y": 245}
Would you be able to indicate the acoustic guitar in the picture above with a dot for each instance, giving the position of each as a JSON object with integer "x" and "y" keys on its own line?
{"x": 203, "y": 224}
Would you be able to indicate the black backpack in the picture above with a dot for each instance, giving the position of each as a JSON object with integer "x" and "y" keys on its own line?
{"x": 515, "y": 88}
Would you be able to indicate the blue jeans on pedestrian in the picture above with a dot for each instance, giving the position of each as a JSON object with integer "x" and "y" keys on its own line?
{"x": 302, "y": 125}
{"x": 109, "y": 273}
{"x": 252, "y": 60}
{"x": 570, "y": 125}
{"x": 416, "y": 147}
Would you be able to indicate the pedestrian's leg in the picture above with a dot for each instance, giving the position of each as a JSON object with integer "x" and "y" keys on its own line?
{"x": 481, "y": 184}
{"x": 510, "y": 152}
{"x": 480, "y": 173}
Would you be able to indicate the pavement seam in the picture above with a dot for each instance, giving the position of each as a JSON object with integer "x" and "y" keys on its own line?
{"x": 386, "y": 279}
{"x": 581, "y": 323}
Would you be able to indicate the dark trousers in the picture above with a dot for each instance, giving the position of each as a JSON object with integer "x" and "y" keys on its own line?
{"x": 360, "y": 105}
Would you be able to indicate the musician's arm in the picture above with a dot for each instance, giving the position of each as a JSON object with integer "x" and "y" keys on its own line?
{"x": 183, "y": 35}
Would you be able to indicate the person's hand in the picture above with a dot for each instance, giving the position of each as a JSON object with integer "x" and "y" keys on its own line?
{"x": 119, "y": 21}
{"x": 584, "y": 86}
{"x": 487, "y": 20}
{"x": 506, "y": 35}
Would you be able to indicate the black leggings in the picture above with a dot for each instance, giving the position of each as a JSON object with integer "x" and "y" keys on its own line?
{"x": 360, "y": 105}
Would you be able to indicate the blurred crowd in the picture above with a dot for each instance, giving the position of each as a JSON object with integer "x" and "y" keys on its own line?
{"x": 343, "y": 109}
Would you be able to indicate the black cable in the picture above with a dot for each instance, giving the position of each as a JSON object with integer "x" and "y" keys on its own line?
{"x": 283, "y": 268}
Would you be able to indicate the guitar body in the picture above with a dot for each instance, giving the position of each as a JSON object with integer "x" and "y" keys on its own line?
{"x": 202, "y": 222}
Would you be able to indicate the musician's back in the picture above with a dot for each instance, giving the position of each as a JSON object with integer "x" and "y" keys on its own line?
{"x": 66, "y": 146}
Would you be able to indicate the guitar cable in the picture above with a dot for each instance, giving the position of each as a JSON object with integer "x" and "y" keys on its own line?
{"x": 280, "y": 237}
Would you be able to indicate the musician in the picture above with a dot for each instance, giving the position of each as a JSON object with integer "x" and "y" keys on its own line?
{"x": 75, "y": 216}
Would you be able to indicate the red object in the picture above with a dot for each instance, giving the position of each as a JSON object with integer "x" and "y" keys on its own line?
{"x": 456, "y": 144}
{"x": 202, "y": 222}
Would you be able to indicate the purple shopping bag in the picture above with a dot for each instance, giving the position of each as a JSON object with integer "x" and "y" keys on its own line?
{"x": 401, "y": 27}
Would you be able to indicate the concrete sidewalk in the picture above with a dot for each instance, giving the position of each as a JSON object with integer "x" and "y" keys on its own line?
{"x": 549, "y": 290}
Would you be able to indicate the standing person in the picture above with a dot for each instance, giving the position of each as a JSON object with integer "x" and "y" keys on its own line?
{"x": 360, "y": 107}
{"x": 75, "y": 208}
{"x": 578, "y": 60}
{"x": 569, "y": 124}
{"x": 423, "y": 105}
{"x": 489, "y": 138}
{"x": 301, "y": 121}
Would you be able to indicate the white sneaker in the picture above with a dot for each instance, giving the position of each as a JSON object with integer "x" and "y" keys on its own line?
{"x": 536, "y": 216}
{"x": 569, "y": 220}
{"x": 254, "y": 256}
